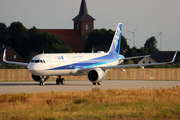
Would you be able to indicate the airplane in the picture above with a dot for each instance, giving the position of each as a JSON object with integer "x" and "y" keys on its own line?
{"x": 94, "y": 65}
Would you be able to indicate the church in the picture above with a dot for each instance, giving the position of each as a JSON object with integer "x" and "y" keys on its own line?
{"x": 76, "y": 38}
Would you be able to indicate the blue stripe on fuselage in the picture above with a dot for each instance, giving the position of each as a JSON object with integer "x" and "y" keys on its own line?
{"x": 91, "y": 63}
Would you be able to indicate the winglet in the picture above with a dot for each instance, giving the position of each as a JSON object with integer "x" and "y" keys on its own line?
{"x": 11, "y": 62}
{"x": 174, "y": 56}
{"x": 4, "y": 55}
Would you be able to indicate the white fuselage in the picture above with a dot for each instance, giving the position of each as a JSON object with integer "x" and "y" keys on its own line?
{"x": 69, "y": 64}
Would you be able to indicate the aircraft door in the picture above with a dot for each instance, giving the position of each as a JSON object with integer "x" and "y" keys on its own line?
{"x": 69, "y": 60}
{"x": 50, "y": 61}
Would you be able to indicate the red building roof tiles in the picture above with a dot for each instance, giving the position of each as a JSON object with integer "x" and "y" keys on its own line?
{"x": 69, "y": 36}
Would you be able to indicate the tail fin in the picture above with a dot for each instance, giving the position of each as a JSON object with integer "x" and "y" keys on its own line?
{"x": 116, "y": 43}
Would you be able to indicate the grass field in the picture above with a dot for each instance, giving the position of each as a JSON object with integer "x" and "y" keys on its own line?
{"x": 112, "y": 104}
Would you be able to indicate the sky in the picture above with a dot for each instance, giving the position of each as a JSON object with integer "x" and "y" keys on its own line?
{"x": 151, "y": 17}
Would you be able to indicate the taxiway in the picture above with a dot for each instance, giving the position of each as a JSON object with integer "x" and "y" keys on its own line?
{"x": 30, "y": 87}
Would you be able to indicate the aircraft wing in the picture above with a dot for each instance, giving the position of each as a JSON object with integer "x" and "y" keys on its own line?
{"x": 10, "y": 62}
{"x": 130, "y": 65}
{"x": 135, "y": 57}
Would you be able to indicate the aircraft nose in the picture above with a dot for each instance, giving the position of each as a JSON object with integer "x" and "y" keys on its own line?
{"x": 35, "y": 69}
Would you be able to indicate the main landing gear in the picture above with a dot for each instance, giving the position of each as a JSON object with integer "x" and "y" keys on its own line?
{"x": 99, "y": 83}
{"x": 60, "y": 80}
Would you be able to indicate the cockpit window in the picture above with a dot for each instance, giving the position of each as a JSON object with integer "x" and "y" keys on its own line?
{"x": 38, "y": 61}
{"x": 32, "y": 61}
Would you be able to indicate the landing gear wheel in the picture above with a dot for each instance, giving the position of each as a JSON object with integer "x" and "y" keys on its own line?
{"x": 41, "y": 83}
{"x": 94, "y": 83}
{"x": 99, "y": 83}
{"x": 62, "y": 81}
{"x": 57, "y": 81}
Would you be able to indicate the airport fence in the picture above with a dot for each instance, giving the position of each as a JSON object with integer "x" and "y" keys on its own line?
{"x": 115, "y": 74}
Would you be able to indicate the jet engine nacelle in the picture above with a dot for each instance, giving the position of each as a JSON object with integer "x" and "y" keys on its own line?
{"x": 96, "y": 75}
{"x": 38, "y": 78}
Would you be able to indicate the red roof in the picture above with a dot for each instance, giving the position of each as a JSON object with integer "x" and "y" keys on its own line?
{"x": 69, "y": 36}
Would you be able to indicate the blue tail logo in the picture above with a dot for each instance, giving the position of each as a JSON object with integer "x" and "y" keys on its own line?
{"x": 116, "y": 43}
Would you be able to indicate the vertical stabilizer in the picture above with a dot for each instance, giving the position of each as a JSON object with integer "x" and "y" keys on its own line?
{"x": 116, "y": 43}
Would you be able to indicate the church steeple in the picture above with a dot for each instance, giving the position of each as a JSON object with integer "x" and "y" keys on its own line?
{"x": 83, "y": 22}
{"x": 83, "y": 9}
{"x": 83, "y": 13}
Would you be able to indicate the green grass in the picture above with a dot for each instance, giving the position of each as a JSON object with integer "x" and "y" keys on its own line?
{"x": 95, "y": 104}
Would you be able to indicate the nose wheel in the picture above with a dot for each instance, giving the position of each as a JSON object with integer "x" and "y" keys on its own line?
{"x": 60, "y": 80}
{"x": 99, "y": 83}
{"x": 41, "y": 83}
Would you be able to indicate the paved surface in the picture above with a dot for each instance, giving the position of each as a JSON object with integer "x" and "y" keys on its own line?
{"x": 29, "y": 87}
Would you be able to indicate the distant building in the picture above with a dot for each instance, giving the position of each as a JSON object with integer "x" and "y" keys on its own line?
{"x": 83, "y": 22}
{"x": 161, "y": 56}
{"x": 70, "y": 37}
{"x": 165, "y": 56}
{"x": 11, "y": 55}
{"x": 76, "y": 38}
{"x": 146, "y": 60}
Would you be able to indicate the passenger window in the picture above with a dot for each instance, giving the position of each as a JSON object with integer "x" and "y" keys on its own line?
{"x": 44, "y": 61}
{"x": 32, "y": 61}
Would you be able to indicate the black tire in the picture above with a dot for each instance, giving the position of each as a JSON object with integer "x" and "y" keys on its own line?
{"x": 99, "y": 83}
{"x": 41, "y": 83}
{"x": 94, "y": 83}
{"x": 57, "y": 81}
{"x": 62, "y": 81}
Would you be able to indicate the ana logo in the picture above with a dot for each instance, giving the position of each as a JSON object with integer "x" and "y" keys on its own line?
{"x": 60, "y": 58}
{"x": 117, "y": 35}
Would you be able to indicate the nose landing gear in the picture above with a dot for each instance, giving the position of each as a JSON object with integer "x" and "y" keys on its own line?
{"x": 41, "y": 83}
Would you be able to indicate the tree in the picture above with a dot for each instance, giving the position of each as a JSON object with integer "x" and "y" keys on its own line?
{"x": 45, "y": 42}
{"x": 129, "y": 62}
{"x": 124, "y": 42}
{"x": 150, "y": 45}
{"x": 24, "y": 41}
{"x": 57, "y": 48}
{"x": 17, "y": 38}
{"x": 144, "y": 51}
{"x": 132, "y": 52}
{"x": 34, "y": 40}
{"x": 3, "y": 34}
{"x": 102, "y": 37}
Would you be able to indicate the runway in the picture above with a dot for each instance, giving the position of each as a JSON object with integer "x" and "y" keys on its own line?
{"x": 31, "y": 87}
